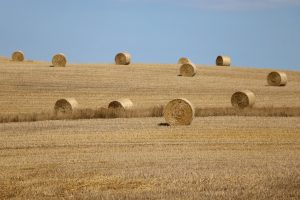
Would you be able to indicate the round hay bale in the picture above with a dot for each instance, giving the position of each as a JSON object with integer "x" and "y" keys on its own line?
{"x": 184, "y": 60}
{"x": 59, "y": 60}
{"x": 18, "y": 56}
{"x": 188, "y": 69}
{"x": 65, "y": 106}
{"x": 223, "y": 61}
{"x": 179, "y": 112}
{"x": 125, "y": 104}
{"x": 123, "y": 58}
{"x": 277, "y": 79}
{"x": 243, "y": 99}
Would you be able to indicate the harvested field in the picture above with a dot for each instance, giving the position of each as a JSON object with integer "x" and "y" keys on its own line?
{"x": 253, "y": 158}
{"x": 33, "y": 86}
{"x": 100, "y": 153}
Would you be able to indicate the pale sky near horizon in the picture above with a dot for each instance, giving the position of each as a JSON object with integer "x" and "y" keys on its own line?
{"x": 258, "y": 33}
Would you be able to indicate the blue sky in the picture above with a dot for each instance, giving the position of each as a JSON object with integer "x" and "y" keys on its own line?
{"x": 260, "y": 33}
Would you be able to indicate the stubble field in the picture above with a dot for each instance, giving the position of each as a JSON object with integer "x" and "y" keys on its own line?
{"x": 229, "y": 157}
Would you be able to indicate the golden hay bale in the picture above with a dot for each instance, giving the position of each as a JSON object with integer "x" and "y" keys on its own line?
{"x": 188, "y": 69}
{"x": 179, "y": 112}
{"x": 18, "y": 56}
{"x": 125, "y": 104}
{"x": 65, "y": 106}
{"x": 243, "y": 99}
{"x": 277, "y": 79}
{"x": 59, "y": 60}
{"x": 223, "y": 61}
{"x": 184, "y": 60}
{"x": 123, "y": 58}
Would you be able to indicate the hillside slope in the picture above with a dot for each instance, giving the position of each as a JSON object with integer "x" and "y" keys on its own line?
{"x": 34, "y": 86}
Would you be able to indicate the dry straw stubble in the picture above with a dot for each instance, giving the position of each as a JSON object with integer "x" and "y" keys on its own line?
{"x": 179, "y": 112}
{"x": 123, "y": 58}
{"x": 187, "y": 69}
{"x": 124, "y": 104}
{"x": 277, "y": 78}
{"x": 223, "y": 61}
{"x": 157, "y": 111}
{"x": 18, "y": 56}
{"x": 59, "y": 60}
{"x": 65, "y": 106}
{"x": 184, "y": 60}
{"x": 243, "y": 99}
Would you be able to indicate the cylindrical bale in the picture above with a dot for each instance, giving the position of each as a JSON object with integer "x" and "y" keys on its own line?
{"x": 179, "y": 112}
{"x": 18, "y": 56}
{"x": 65, "y": 106}
{"x": 124, "y": 103}
{"x": 188, "y": 69}
{"x": 243, "y": 99}
{"x": 59, "y": 60}
{"x": 123, "y": 58}
{"x": 184, "y": 60}
{"x": 223, "y": 61}
{"x": 277, "y": 78}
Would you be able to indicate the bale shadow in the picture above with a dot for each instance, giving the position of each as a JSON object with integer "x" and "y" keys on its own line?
{"x": 163, "y": 124}
{"x": 274, "y": 86}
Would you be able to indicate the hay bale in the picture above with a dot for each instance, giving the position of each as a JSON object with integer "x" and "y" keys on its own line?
{"x": 243, "y": 99}
{"x": 188, "y": 69}
{"x": 65, "y": 106}
{"x": 18, "y": 56}
{"x": 223, "y": 61}
{"x": 123, "y": 58}
{"x": 277, "y": 78}
{"x": 59, "y": 60}
{"x": 179, "y": 112}
{"x": 124, "y": 104}
{"x": 184, "y": 60}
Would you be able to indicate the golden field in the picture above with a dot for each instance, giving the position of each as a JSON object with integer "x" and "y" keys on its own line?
{"x": 228, "y": 157}
{"x": 34, "y": 86}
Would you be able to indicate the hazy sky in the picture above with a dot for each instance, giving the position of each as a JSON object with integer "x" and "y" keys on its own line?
{"x": 261, "y": 33}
